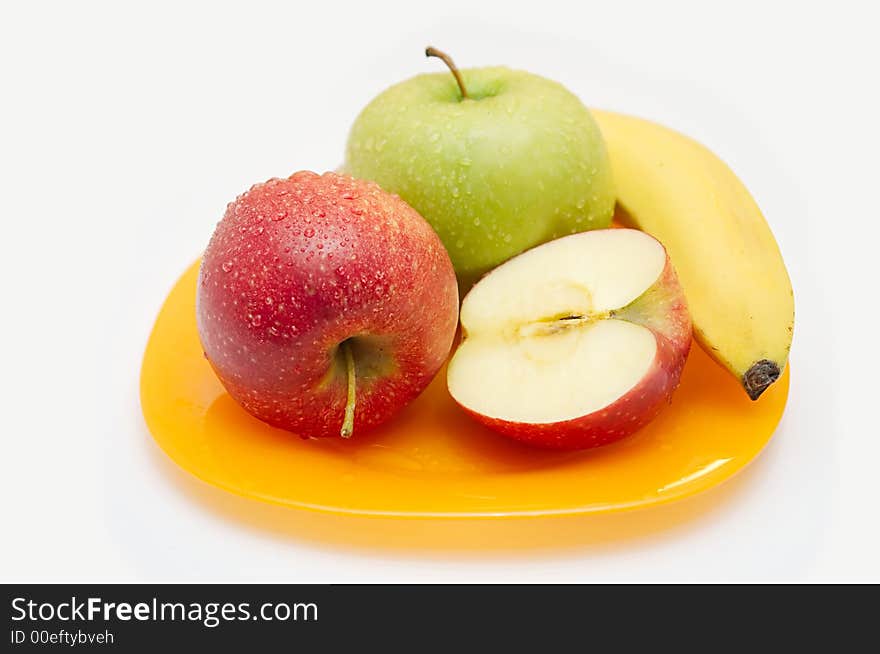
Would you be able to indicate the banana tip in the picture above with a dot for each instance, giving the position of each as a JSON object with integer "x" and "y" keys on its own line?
{"x": 759, "y": 377}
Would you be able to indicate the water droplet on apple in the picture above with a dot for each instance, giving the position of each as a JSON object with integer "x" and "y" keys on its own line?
{"x": 309, "y": 232}
{"x": 279, "y": 215}
{"x": 455, "y": 191}
{"x": 256, "y": 319}
{"x": 268, "y": 300}
{"x": 476, "y": 222}
{"x": 508, "y": 238}
{"x": 226, "y": 266}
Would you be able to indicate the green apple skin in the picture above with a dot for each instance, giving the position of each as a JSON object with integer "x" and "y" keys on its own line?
{"x": 517, "y": 163}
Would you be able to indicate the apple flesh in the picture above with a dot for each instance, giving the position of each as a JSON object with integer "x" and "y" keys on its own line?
{"x": 322, "y": 298}
{"x": 574, "y": 344}
{"x": 517, "y": 162}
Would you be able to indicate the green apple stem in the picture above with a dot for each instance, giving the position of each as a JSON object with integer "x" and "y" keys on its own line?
{"x": 431, "y": 51}
{"x": 348, "y": 421}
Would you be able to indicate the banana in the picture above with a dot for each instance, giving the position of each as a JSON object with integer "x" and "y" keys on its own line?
{"x": 737, "y": 288}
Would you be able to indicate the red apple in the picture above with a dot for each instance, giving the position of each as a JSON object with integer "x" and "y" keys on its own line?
{"x": 325, "y": 304}
{"x": 575, "y": 343}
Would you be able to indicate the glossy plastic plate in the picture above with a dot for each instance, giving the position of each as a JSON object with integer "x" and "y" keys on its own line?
{"x": 433, "y": 461}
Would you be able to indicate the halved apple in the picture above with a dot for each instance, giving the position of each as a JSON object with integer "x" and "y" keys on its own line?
{"x": 575, "y": 343}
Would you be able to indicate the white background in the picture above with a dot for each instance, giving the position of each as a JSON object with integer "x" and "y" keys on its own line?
{"x": 125, "y": 130}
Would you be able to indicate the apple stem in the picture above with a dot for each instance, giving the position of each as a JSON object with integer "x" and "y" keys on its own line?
{"x": 431, "y": 51}
{"x": 348, "y": 421}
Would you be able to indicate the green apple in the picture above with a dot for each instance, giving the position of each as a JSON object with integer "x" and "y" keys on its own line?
{"x": 497, "y": 160}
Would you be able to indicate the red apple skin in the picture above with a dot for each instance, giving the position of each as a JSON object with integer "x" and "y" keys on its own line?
{"x": 297, "y": 266}
{"x": 670, "y": 323}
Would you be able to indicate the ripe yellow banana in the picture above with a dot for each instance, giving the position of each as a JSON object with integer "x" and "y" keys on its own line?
{"x": 727, "y": 260}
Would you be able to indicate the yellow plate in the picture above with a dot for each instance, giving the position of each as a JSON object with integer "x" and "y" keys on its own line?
{"x": 433, "y": 461}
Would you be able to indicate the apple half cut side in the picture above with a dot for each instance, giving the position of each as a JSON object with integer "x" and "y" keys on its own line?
{"x": 574, "y": 344}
